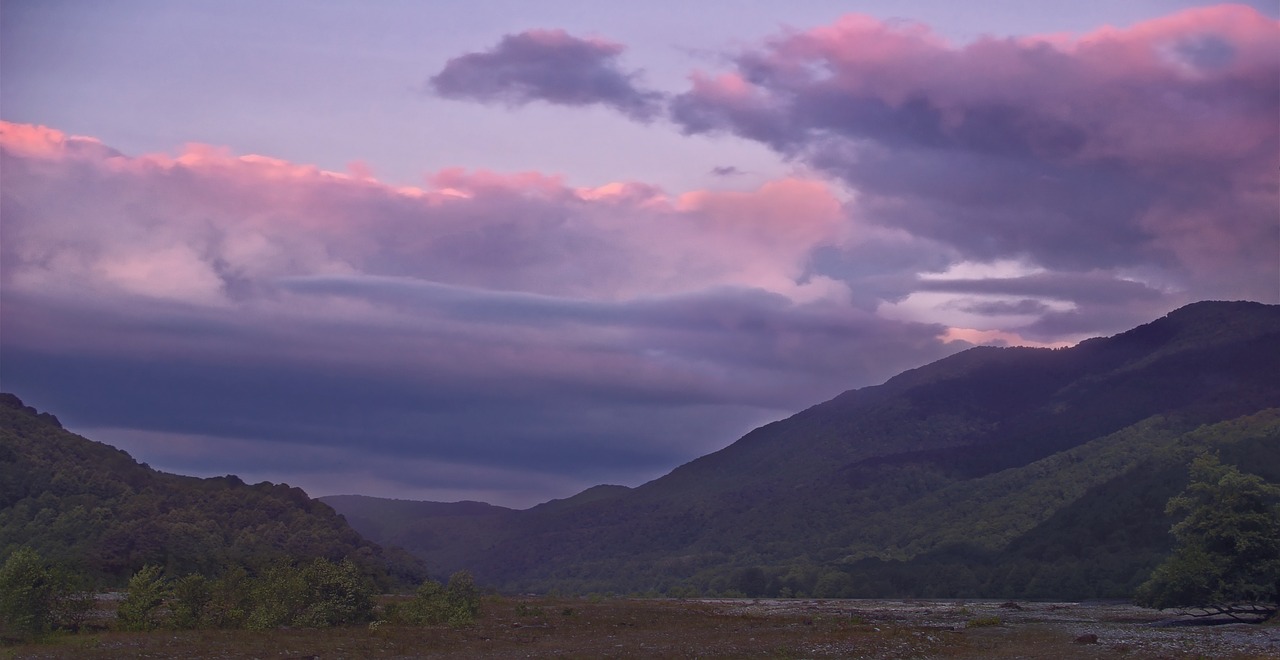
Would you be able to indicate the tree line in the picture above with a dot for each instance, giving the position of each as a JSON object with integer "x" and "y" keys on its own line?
{"x": 38, "y": 597}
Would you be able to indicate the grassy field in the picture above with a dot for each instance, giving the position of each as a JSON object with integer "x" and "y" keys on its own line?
{"x": 581, "y": 628}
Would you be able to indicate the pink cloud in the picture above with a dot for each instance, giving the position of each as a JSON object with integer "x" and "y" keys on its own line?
{"x": 211, "y": 227}
{"x": 1149, "y": 72}
{"x": 470, "y": 321}
{"x": 995, "y": 338}
{"x": 1155, "y": 144}
{"x": 42, "y": 142}
{"x": 482, "y": 181}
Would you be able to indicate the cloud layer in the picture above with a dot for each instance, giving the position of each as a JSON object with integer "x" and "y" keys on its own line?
{"x": 1153, "y": 146}
{"x": 498, "y": 321}
{"x": 512, "y": 337}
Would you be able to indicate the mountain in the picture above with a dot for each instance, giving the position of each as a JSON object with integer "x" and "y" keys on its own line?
{"x": 93, "y": 508}
{"x": 1000, "y": 472}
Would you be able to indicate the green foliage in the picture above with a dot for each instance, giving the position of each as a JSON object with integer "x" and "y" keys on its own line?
{"x": 835, "y": 584}
{"x": 230, "y": 600}
{"x": 26, "y": 595}
{"x": 147, "y": 591}
{"x": 37, "y": 598}
{"x": 457, "y": 603}
{"x": 1228, "y": 544}
{"x": 191, "y": 598}
{"x": 462, "y": 598}
{"x": 317, "y": 595}
{"x": 90, "y": 506}
{"x": 336, "y": 595}
{"x": 983, "y": 622}
{"x": 278, "y": 596}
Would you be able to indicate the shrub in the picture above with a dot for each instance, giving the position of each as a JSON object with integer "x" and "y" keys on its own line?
{"x": 73, "y": 602}
{"x": 983, "y": 622}
{"x": 276, "y": 597}
{"x": 318, "y": 595}
{"x": 191, "y": 597}
{"x": 26, "y": 595}
{"x": 230, "y": 600}
{"x": 145, "y": 594}
{"x": 462, "y": 597}
{"x": 457, "y": 603}
{"x": 336, "y": 594}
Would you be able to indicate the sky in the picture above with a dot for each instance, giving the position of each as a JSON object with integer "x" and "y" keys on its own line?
{"x": 507, "y": 250}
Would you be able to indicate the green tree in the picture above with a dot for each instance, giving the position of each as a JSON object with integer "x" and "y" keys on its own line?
{"x": 317, "y": 595}
{"x": 1227, "y": 558}
{"x": 36, "y": 598}
{"x": 145, "y": 594}
{"x": 457, "y": 603}
{"x": 337, "y": 594}
{"x": 462, "y": 597}
{"x": 277, "y": 596}
{"x": 230, "y": 599}
{"x": 191, "y": 598}
{"x": 27, "y": 593}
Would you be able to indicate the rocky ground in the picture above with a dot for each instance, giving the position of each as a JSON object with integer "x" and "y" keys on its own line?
{"x": 995, "y": 627}
{"x": 729, "y": 628}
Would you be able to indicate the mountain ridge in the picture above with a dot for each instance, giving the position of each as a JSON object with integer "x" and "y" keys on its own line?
{"x": 798, "y": 494}
{"x": 91, "y": 506}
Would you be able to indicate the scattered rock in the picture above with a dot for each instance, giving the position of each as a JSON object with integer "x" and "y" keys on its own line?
{"x": 1010, "y": 606}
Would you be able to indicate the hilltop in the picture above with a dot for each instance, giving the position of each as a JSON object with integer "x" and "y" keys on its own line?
{"x": 93, "y": 508}
{"x": 1001, "y": 472}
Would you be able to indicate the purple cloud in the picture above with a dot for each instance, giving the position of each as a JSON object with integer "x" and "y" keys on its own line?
{"x": 487, "y": 323}
{"x": 551, "y": 66}
{"x": 1154, "y": 145}
{"x": 1079, "y": 287}
{"x": 514, "y": 329}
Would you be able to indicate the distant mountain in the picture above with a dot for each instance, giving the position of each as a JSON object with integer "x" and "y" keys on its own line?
{"x": 92, "y": 507}
{"x": 1001, "y": 472}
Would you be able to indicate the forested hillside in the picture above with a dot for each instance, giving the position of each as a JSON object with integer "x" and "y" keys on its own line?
{"x": 93, "y": 509}
{"x": 1001, "y": 472}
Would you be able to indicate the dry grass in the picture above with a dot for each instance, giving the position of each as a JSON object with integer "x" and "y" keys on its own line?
{"x": 623, "y": 628}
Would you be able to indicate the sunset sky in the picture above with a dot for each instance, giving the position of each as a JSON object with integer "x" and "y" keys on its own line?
{"x": 504, "y": 251}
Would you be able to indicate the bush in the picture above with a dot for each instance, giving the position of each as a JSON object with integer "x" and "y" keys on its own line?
{"x": 230, "y": 600}
{"x": 462, "y": 597}
{"x": 336, "y": 594}
{"x": 457, "y": 603}
{"x": 191, "y": 597}
{"x": 145, "y": 594}
{"x": 73, "y": 602}
{"x": 277, "y": 596}
{"x": 318, "y": 595}
{"x": 27, "y": 594}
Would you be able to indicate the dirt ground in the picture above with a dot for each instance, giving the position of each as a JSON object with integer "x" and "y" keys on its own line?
{"x": 730, "y": 628}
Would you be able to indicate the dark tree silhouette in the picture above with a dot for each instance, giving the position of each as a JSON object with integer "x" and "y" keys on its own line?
{"x": 1227, "y": 559}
